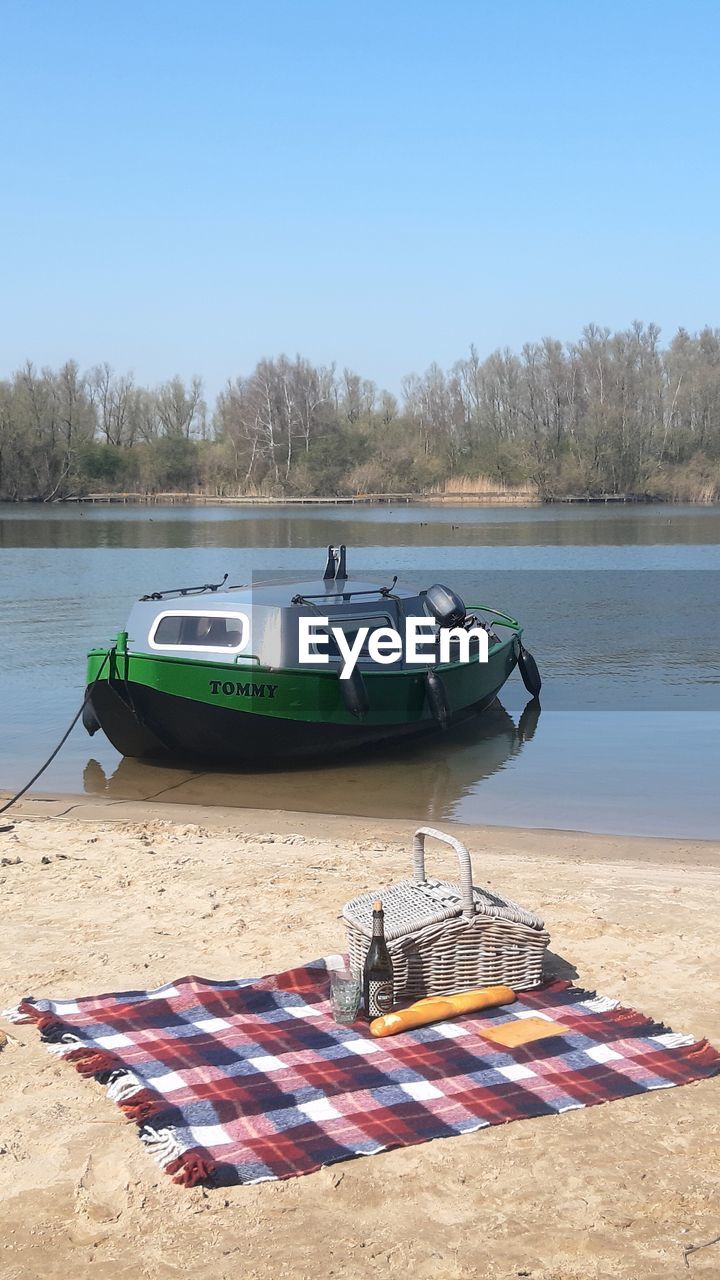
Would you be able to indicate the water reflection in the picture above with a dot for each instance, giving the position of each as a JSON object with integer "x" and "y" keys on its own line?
{"x": 428, "y": 779}
{"x": 156, "y": 527}
{"x": 528, "y": 722}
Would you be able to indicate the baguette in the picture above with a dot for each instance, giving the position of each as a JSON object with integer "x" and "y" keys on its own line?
{"x": 405, "y": 1019}
{"x": 437, "y": 1008}
{"x": 470, "y": 1001}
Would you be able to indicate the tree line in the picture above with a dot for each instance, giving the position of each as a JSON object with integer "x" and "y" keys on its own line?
{"x": 612, "y": 413}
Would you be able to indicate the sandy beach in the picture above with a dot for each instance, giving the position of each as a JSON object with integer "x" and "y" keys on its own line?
{"x": 99, "y": 898}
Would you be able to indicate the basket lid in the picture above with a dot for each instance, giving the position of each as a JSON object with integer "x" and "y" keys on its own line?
{"x": 410, "y": 905}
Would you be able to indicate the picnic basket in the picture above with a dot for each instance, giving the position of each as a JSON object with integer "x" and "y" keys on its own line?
{"x": 445, "y": 937}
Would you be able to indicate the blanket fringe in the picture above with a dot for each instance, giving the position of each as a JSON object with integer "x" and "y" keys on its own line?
{"x": 674, "y": 1039}
{"x": 90, "y": 1061}
{"x": 143, "y": 1106}
{"x": 15, "y": 1014}
{"x": 161, "y": 1144}
{"x": 190, "y": 1169}
{"x": 600, "y": 1004}
{"x": 124, "y": 1087}
{"x": 69, "y": 1044}
{"x": 702, "y": 1054}
{"x": 187, "y": 1167}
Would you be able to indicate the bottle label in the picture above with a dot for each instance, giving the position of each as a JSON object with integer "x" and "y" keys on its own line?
{"x": 380, "y": 998}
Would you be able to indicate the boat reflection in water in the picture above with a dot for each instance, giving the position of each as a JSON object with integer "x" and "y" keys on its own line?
{"x": 427, "y": 779}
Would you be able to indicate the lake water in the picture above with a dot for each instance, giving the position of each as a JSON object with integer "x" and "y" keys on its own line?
{"x": 621, "y": 608}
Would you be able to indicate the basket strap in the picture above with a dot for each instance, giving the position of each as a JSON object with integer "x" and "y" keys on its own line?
{"x": 466, "y": 882}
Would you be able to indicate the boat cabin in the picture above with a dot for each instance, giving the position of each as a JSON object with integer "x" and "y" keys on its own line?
{"x": 259, "y": 624}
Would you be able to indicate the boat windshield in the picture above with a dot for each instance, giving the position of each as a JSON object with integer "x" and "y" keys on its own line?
{"x": 350, "y": 628}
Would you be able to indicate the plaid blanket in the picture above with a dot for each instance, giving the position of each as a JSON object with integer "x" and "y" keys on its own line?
{"x": 242, "y": 1082}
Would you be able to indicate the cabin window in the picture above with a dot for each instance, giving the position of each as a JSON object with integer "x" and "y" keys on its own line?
{"x": 190, "y": 629}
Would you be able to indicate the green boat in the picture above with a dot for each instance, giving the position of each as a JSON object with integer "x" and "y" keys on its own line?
{"x": 258, "y": 674}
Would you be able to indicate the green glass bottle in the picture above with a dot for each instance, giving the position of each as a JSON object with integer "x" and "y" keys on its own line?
{"x": 378, "y": 969}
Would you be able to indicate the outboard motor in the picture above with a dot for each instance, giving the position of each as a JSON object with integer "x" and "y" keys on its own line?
{"x": 448, "y": 610}
{"x": 445, "y": 606}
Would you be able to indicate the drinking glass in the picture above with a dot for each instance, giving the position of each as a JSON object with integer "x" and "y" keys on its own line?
{"x": 345, "y": 995}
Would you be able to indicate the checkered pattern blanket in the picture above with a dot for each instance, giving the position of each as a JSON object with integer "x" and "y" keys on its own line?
{"x": 241, "y": 1082}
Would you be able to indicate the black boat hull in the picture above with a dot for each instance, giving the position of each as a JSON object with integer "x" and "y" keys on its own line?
{"x": 140, "y": 721}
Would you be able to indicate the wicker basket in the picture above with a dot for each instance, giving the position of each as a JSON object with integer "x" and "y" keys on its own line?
{"x": 445, "y": 938}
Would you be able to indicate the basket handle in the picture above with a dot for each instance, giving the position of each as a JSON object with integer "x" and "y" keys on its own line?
{"x": 466, "y": 883}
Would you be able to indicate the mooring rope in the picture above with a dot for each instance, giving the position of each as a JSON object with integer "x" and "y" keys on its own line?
{"x": 91, "y": 689}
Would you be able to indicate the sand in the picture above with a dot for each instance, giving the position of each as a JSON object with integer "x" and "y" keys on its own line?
{"x": 127, "y": 897}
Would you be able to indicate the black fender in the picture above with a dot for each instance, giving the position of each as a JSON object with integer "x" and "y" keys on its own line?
{"x": 436, "y": 695}
{"x": 90, "y": 721}
{"x": 528, "y": 669}
{"x": 355, "y": 695}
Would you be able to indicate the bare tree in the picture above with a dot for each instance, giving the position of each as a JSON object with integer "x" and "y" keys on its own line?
{"x": 181, "y": 410}
{"x": 112, "y": 396}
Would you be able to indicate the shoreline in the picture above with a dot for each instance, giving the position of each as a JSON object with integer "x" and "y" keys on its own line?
{"x": 578, "y": 844}
{"x": 450, "y": 499}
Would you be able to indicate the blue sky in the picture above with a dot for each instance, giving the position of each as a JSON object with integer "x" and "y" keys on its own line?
{"x": 189, "y": 186}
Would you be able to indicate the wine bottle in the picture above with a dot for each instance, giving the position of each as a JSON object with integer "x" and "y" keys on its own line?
{"x": 378, "y": 969}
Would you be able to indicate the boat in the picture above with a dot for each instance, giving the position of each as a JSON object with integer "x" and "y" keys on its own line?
{"x": 256, "y": 674}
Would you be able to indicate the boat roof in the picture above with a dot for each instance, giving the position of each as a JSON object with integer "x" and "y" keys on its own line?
{"x": 321, "y": 591}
